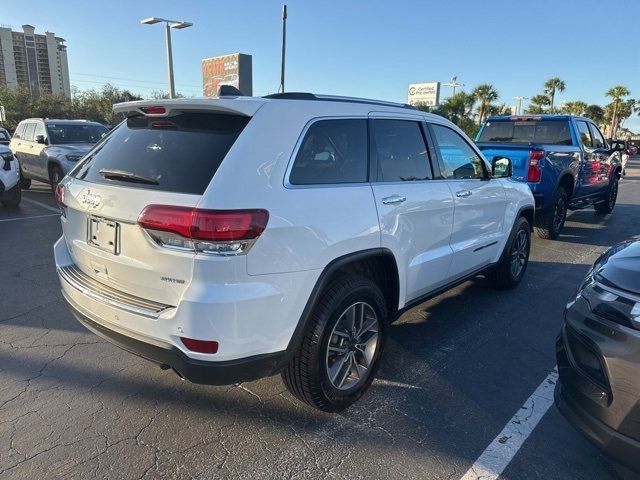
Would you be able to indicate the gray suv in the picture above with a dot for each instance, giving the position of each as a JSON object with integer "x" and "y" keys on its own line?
{"x": 47, "y": 149}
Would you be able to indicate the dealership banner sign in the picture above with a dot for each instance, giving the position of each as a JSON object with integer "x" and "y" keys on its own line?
{"x": 427, "y": 94}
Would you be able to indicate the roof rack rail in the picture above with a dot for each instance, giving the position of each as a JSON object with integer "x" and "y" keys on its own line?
{"x": 335, "y": 98}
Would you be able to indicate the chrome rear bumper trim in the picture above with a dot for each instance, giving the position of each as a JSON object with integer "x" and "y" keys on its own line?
{"x": 86, "y": 285}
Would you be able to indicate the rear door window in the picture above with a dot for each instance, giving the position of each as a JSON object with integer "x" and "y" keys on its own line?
{"x": 400, "y": 151}
{"x": 550, "y": 132}
{"x": 19, "y": 133}
{"x": 585, "y": 134}
{"x": 332, "y": 151}
{"x": 175, "y": 154}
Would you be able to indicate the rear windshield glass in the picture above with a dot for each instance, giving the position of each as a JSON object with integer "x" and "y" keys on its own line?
{"x": 60, "y": 134}
{"x": 554, "y": 132}
{"x": 175, "y": 154}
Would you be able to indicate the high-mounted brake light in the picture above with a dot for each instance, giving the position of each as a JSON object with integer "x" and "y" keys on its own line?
{"x": 219, "y": 232}
{"x": 534, "y": 169}
{"x": 154, "y": 110}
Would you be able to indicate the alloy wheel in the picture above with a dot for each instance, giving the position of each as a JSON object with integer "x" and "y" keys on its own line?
{"x": 613, "y": 195}
{"x": 352, "y": 346}
{"x": 519, "y": 253}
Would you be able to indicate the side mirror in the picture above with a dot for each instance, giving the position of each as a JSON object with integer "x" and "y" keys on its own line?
{"x": 41, "y": 139}
{"x": 617, "y": 147}
{"x": 501, "y": 167}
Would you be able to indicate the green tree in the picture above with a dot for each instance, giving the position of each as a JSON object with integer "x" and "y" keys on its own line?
{"x": 485, "y": 95}
{"x": 616, "y": 94}
{"x": 537, "y": 104}
{"x": 552, "y": 86}
{"x": 574, "y": 108}
{"x": 595, "y": 113}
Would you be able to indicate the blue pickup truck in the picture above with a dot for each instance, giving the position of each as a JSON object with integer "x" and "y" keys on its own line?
{"x": 565, "y": 160}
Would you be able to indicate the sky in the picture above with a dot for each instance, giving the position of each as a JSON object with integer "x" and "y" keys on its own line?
{"x": 362, "y": 48}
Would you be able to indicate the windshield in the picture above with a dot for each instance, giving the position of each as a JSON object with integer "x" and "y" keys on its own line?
{"x": 65, "y": 133}
{"x": 554, "y": 132}
{"x": 175, "y": 154}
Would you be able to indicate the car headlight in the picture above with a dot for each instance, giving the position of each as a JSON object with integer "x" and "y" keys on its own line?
{"x": 73, "y": 158}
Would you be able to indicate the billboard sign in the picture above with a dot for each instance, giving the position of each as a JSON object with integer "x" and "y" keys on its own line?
{"x": 234, "y": 70}
{"x": 427, "y": 94}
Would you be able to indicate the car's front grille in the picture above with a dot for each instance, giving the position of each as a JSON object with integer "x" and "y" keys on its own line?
{"x": 92, "y": 288}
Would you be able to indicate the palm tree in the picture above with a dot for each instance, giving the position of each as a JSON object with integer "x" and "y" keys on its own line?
{"x": 486, "y": 95}
{"x": 595, "y": 113}
{"x": 616, "y": 93}
{"x": 552, "y": 86}
{"x": 574, "y": 108}
{"x": 537, "y": 104}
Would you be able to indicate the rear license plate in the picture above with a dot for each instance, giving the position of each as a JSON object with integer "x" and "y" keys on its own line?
{"x": 104, "y": 234}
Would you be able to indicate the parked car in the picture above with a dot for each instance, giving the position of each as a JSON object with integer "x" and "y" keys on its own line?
{"x": 10, "y": 192}
{"x": 564, "y": 159}
{"x": 5, "y": 137}
{"x": 47, "y": 149}
{"x": 234, "y": 238}
{"x": 598, "y": 354}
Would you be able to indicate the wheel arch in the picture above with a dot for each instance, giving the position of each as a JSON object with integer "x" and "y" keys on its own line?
{"x": 567, "y": 181}
{"x": 379, "y": 263}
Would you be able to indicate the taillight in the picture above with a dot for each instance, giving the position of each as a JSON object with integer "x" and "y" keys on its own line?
{"x": 200, "y": 346}
{"x": 155, "y": 110}
{"x": 534, "y": 170}
{"x": 59, "y": 194}
{"x": 219, "y": 232}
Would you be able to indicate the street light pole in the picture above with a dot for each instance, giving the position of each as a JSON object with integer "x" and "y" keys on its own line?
{"x": 519, "y": 104}
{"x": 284, "y": 45}
{"x": 168, "y": 24}
{"x": 453, "y": 84}
{"x": 172, "y": 86}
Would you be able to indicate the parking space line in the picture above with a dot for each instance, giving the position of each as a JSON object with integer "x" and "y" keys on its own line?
{"x": 30, "y": 217}
{"x": 40, "y": 204}
{"x": 504, "y": 447}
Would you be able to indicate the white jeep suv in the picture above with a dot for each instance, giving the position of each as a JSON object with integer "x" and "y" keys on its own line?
{"x": 233, "y": 238}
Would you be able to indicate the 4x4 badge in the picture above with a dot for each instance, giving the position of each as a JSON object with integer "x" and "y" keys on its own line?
{"x": 91, "y": 200}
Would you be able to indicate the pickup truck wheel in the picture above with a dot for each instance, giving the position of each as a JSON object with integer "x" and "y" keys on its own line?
{"x": 25, "y": 183}
{"x": 549, "y": 224}
{"x": 515, "y": 258}
{"x": 606, "y": 206}
{"x": 12, "y": 197}
{"x": 340, "y": 351}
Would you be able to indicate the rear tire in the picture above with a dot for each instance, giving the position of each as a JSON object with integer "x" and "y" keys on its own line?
{"x": 549, "y": 224}
{"x": 328, "y": 371}
{"x": 12, "y": 197}
{"x": 25, "y": 183}
{"x": 515, "y": 258}
{"x": 609, "y": 202}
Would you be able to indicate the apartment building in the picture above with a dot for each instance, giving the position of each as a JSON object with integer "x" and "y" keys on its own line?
{"x": 37, "y": 61}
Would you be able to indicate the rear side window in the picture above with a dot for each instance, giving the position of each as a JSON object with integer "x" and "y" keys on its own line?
{"x": 585, "y": 134}
{"x": 175, "y": 154}
{"x": 551, "y": 132}
{"x": 332, "y": 151}
{"x": 400, "y": 151}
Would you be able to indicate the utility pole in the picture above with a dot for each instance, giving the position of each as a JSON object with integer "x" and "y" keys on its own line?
{"x": 454, "y": 84}
{"x": 284, "y": 45}
{"x": 519, "y": 104}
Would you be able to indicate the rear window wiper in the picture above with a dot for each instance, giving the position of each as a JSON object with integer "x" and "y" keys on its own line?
{"x": 123, "y": 175}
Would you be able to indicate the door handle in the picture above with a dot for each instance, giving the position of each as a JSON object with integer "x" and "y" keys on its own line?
{"x": 393, "y": 200}
{"x": 463, "y": 194}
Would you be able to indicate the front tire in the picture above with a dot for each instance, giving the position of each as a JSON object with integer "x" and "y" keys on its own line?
{"x": 515, "y": 258}
{"x": 12, "y": 197}
{"x": 341, "y": 348}
{"x": 55, "y": 176}
{"x": 549, "y": 224}
{"x": 25, "y": 183}
{"x": 606, "y": 206}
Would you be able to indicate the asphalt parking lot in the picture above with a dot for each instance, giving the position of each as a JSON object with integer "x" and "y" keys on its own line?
{"x": 456, "y": 369}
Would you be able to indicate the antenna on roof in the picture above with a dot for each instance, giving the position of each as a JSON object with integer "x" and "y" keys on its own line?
{"x": 228, "y": 91}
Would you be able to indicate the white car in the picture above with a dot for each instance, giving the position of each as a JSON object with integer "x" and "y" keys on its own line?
{"x": 230, "y": 239}
{"x": 10, "y": 192}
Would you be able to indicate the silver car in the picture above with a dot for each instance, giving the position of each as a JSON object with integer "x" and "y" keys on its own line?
{"x": 47, "y": 149}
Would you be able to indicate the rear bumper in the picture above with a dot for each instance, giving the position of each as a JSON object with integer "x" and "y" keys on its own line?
{"x": 196, "y": 371}
{"x": 617, "y": 446}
